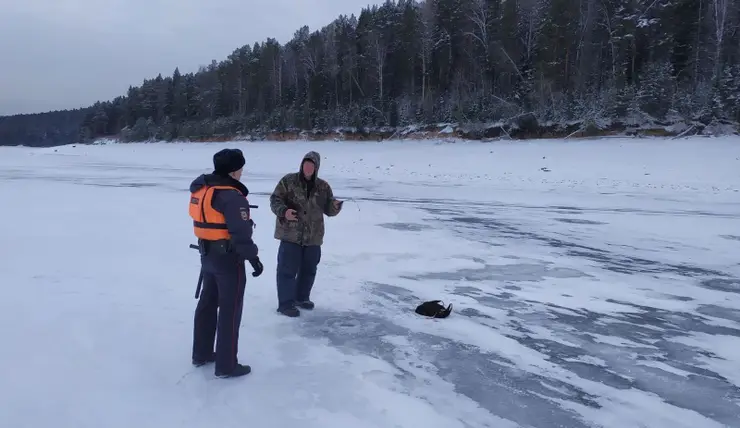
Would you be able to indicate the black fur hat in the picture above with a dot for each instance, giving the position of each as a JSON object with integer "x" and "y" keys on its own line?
{"x": 227, "y": 161}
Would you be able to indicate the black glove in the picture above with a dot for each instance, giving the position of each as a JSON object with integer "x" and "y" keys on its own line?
{"x": 257, "y": 266}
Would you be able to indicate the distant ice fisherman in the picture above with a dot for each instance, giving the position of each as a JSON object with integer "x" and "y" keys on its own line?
{"x": 300, "y": 201}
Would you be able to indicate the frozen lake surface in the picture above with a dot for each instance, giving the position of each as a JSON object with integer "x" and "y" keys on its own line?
{"x": 594, "y": 283}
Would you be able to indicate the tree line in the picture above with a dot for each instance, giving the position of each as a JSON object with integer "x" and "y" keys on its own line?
{"x": 463, "y": 61}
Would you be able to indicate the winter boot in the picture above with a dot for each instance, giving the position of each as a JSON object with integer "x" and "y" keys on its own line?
{"x": 239, "y": 370}
{"x": 197, "y": 362}
{"x": 305, "y": 304}
{"x": 290, "y": 311}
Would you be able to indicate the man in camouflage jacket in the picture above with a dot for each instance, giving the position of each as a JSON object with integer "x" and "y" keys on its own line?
{"x": 300, "y": 201}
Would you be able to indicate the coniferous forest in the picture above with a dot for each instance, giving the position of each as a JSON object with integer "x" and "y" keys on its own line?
{"x": 524, "y": 64}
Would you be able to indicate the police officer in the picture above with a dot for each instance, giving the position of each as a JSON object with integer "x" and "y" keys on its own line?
{"x": 223, "y": 225}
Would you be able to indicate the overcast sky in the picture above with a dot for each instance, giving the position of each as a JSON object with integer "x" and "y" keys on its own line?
{"x": 60, "y": 54}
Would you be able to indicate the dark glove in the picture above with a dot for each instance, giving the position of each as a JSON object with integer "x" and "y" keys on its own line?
{"x": 257, "y": 266}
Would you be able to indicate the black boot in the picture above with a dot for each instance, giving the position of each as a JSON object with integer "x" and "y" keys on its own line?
{"x": 305, "y": 304}
{"x": 239, "y": 370}
{"x": 290, "y": 311}
{"x": 197, "y": 362}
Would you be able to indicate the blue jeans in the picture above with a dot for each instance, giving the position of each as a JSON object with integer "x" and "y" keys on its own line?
{"x": 296, "y": 272}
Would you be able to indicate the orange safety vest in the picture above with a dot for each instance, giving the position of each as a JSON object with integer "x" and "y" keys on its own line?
{"x": 209, "y": 224}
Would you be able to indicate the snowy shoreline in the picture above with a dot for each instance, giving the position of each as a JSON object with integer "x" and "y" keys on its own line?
{"x": 521, "y": 128}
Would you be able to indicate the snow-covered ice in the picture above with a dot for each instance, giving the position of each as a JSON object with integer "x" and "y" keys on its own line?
{"x": 595, "y": 283}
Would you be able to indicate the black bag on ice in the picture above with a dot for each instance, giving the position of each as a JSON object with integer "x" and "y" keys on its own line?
{"x": 434, "y": 309}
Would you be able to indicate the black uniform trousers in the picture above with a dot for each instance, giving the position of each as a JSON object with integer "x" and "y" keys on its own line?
{"x": 219, "y": 309}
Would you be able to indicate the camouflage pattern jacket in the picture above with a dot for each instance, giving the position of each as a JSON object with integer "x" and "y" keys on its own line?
{"x": 292, "y": 192}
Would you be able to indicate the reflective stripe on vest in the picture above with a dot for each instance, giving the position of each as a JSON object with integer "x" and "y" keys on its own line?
{"x": 208, "y": 224}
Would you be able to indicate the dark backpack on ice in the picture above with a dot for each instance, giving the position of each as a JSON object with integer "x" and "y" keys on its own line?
{"x": 434, "y": 309}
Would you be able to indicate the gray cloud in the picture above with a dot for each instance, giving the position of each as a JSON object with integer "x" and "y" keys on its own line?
{"x": 70, "y": 53}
